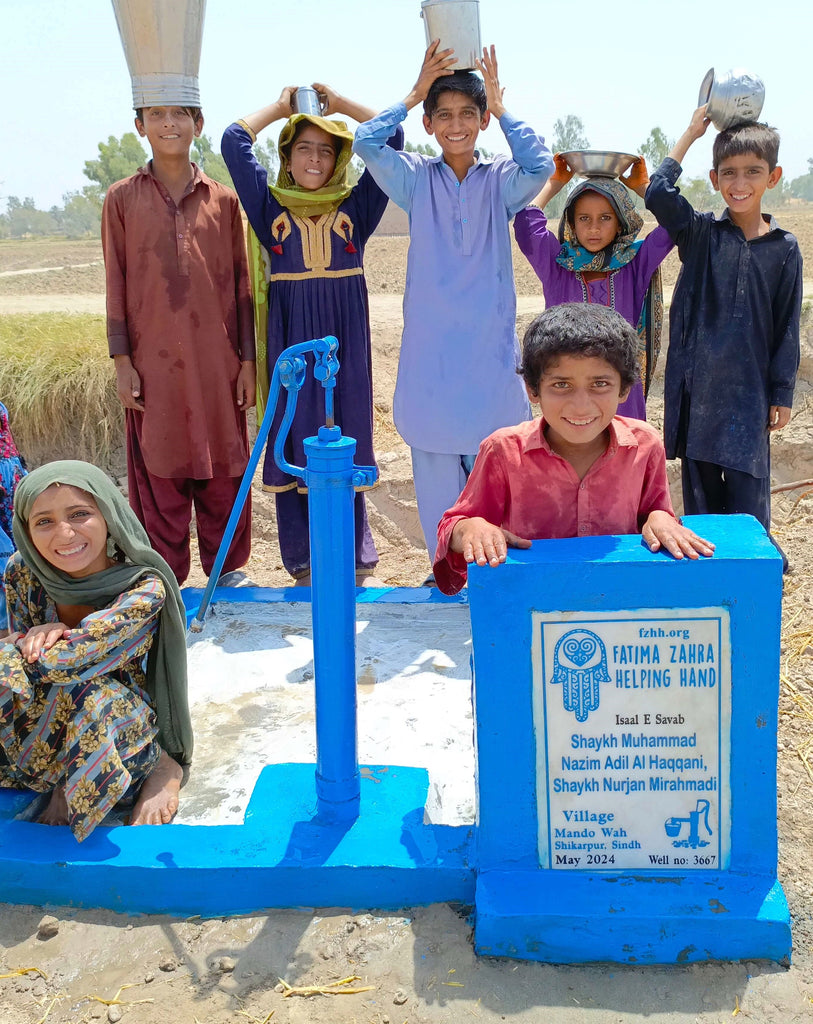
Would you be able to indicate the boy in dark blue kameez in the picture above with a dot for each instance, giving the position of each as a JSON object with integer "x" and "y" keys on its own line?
{"x": 734, "y": 323}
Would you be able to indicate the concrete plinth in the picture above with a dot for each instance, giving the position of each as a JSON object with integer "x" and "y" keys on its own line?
{"x": 283, "y": 856}
{"x": 626, "y": 715}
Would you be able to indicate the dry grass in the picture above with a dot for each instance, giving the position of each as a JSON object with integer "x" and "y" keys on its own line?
{"x": 57, "y": 381}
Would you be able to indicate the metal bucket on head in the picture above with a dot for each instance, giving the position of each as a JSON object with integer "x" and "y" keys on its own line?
{"x": 732, "y": 98}
{"x": 162, "y": 41}
{"x": 456, "y": 23}
{"x": 308, "y": 101}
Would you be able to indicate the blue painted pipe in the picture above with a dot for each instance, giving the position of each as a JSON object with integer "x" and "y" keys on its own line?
{"x": 289, "y": 372}
{"x": 329, "y": 477}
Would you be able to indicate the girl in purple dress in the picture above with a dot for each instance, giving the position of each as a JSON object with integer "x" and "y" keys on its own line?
{"x": 312, "y": 226}
{"x": 597, "y": 257}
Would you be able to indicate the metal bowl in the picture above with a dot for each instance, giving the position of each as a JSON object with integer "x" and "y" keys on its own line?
{"x": 598, "y": 163}
{"x": 732, "y": 98}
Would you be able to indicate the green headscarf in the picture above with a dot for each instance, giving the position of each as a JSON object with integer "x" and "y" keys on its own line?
{"x": 166, "y": 661}
{"x": 306, "y": 202}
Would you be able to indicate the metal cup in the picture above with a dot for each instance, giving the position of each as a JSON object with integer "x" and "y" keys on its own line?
{"x": 308, "y": 101}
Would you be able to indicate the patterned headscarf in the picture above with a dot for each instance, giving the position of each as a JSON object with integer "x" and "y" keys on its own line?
{"x": 617, "y": 254}
{"x": 166, "y": 661}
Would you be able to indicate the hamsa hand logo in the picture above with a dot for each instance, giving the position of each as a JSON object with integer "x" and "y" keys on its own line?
{"x": 580, "y": 664}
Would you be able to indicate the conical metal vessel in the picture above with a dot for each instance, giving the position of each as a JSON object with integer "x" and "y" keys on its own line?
{"x": 162, "y": 40}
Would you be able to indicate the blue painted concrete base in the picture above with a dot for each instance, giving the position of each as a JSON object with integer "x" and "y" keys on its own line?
{"x": 558, "y": 917}
{"x": 282, "y": 856}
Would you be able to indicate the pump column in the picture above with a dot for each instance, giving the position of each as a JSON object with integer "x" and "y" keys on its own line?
{"x": 330, "y": 477}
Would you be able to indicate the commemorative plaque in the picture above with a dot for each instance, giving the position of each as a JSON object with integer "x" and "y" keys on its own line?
{"x": 632, "y": 718}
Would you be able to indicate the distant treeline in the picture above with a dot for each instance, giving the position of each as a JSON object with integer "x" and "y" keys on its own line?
{"x": 80, "y": 213}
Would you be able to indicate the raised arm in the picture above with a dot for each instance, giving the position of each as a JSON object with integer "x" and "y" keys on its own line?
{"x": 696, "y": 130}
{"x": 276, "y": 111}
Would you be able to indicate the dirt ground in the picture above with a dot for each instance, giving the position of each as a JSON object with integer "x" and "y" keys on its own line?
{"x": 419, "y": 964}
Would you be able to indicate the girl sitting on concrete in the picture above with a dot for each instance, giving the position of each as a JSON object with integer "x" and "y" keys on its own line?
{"x": 93, "y": 700}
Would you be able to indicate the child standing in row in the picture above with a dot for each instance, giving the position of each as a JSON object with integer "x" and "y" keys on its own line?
{"x": 580, "y": 470}
{"x": 598, "y": 257}
{"x": 734, "y": 323}
{"x": 459, "y": 352}
{"x": 313, "y": 226}
{"x": 180, "y": 329}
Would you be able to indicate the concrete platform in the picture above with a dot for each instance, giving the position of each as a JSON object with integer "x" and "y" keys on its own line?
{"x": 247, "y": 837}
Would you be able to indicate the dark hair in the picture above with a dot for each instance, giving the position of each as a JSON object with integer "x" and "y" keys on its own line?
{"x": 579, "y": 329}
{"x": 194, "y": 112}
{"x": 300, "y": 127}
{"x": 461, "y": 81}
{"x": 752, "y": 137}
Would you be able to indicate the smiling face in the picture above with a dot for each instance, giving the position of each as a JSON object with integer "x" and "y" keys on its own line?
{"x": 169, "y": 130}
{"x": 578, "y": 396}
{"x": 456, "y": 122}
{"x": 594, "y": 222}
{"x": 68, "y": 530}
{"x": 742, "y": 181}
{"x": 312, "y": 158}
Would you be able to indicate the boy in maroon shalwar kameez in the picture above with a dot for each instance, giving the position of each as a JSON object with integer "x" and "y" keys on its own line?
{"x": 180, "y": 329}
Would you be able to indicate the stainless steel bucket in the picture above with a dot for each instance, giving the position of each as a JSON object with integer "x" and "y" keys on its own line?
{"x": 162, "y": 40}
{"x": 308, "y": 101}
{"x": 456, "y": 23}
{"x": 732, "y": 97}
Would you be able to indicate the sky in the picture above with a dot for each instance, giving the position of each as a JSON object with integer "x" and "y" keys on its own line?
{"x": 65, "y": 84}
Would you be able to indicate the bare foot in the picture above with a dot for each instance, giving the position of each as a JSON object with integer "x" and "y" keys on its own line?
{"x": 56, "y": 813}
{"x": 157, "y": 802}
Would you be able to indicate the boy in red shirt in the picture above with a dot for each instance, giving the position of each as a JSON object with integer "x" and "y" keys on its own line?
{"x": 580, "y": 470}
{"x": 181, "y": 331}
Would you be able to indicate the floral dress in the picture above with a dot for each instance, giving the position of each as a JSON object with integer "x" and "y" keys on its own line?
{"x": 79, "y": 716}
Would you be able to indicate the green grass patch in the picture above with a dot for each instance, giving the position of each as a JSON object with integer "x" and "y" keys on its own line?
{"x": 59, "y": 385}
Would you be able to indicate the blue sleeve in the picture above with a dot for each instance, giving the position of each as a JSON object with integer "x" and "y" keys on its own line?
{"x": 672, "y": 211}
{"x": 250, "y": 181}
{"x": 394, "y": 172}
{"x": 523, "y": 176}
{"x": 787, "y": 305}
{"x": 371, "y": 200}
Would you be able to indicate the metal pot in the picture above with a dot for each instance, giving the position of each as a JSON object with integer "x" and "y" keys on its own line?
{"x": 308, "y": 101}
{"x": 162, "y": 40}
{"x": 456, "y": 23}
{"x": 732, "y": 98}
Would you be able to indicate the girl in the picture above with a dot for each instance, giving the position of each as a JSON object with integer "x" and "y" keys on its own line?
{"x": 313, "y": 227}
{"x": 82, "y": 717}
{"x": 597, "y": 258}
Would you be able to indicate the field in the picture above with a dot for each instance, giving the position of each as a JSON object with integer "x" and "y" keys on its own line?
{"x": 425, "y": 953}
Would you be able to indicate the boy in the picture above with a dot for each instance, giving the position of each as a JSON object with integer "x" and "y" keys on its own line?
{"x": 456, "y": 375}
{"x": 734, "y": 323}
{"x": 180, "y": 330}
{"x": 580, "y": 470}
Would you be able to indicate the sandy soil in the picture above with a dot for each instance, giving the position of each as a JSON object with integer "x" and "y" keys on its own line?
{"x": 420, "y": 963}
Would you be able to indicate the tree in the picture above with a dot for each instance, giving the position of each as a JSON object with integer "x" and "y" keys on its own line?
{"x": 82, "y": 212}
{"x": 210, "y": 162}
{"x": 423, "y": 148}
{"x": 700, "y": 194}
{"x": 268, "y": 155}
{"x": 656, "y": 147}
{"x": 569, "y": 135}
{"x": 118, "y": 158}
{"x": 23, "y": 218}
{"x": 802, "y": 187}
